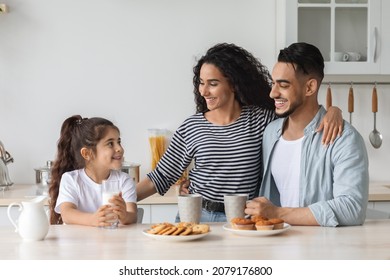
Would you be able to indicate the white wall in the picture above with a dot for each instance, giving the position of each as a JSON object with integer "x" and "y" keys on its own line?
{"x": 130, "y": 61}
{"x": 127, "y": 60}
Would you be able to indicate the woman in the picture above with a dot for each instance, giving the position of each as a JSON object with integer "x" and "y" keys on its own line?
{"x": 224, "y": 137}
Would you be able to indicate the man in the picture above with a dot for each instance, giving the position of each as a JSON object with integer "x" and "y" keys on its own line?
{"x": 305, "y": 182}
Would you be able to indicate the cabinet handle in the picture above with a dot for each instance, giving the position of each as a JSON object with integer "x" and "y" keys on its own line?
{"x": 375, "y": 44}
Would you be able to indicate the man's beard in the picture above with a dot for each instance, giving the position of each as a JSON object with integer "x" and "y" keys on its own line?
{"x": 285, "y": 114}
{"x": 291, "y": 110}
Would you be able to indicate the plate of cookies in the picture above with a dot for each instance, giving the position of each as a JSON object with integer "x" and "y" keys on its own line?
{"x": 256, "y": 226}
{"x": 177, "y": 232}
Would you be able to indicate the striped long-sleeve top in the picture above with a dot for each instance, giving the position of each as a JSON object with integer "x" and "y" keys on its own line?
{"x": 227, "y": 158}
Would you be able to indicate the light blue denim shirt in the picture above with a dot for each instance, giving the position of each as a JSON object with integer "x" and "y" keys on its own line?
{"x": 333, "y": 178}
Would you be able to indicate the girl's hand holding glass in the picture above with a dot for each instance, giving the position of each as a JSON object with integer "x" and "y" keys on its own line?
{"x": 99, "y": 217}
{"x": 119, "y": 207}
{"x": 110, "y": 191}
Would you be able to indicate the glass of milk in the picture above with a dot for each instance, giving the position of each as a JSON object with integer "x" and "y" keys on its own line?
{"x": 109, "y": 189}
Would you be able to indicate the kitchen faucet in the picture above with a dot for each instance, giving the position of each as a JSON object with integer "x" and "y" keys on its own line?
{"x": 5, "y": 158}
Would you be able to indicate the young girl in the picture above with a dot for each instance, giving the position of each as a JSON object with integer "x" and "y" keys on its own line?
{"x": 89, "y": 151}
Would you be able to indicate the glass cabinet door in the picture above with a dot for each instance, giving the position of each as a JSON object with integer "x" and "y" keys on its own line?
{"x": 346, "y": 31}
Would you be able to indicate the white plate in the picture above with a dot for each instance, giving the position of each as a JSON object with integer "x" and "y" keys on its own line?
{"x": 228, "y": 227}
{"x": 174, "y": 238}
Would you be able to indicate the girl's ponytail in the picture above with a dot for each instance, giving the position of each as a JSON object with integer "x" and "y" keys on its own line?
{"x": 65, "y": 161}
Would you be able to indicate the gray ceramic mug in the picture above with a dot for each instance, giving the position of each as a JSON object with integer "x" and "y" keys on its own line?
{"x": 190, "y": 207}
{"x": 235, "y": 205}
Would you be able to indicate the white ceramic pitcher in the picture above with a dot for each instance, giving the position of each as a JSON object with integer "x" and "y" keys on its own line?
{"x": 33, "y": 223}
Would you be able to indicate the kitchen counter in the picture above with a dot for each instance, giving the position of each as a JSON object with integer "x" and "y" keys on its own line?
{"x": 378, "y": 191}
{"x": 367, "y": 242}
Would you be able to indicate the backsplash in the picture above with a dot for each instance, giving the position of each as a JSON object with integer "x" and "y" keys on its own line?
{"x": 363, "y": 120}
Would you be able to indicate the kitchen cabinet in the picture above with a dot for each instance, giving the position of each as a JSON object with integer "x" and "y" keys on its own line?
{"x": 163, "y": 213}
{"x": 378, "y": 210}
{"x": 159, "y": 213}
{"x": 4, "y": 221}
{"x": 146, "y": 218}
{"x": 385, "y": 54}
{"x": 14, "y": 212}
{"x": 350, "y": 33}
{"x": 153, "y": 213}
{"x": 382, "y": 206}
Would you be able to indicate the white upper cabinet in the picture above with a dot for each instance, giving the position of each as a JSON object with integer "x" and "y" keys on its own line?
{"x": 349, "y": 33}
{"x": 385, "y": 50}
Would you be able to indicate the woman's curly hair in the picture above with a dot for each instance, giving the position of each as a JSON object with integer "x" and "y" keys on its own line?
{"x": 248, "y": 76}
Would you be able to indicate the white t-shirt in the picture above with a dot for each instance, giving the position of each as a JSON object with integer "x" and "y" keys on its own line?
{"x": 285, "y": 168}
{"x": 76, "y": 187}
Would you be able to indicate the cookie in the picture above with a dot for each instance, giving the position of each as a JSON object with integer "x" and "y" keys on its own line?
{"x": 164, "y": 230}
{"x": 201, "y": 228}
{"x": 159, "y": 224}
{"x": 185, "y": 224}
{"x": 170, "y": 231}
{"x": 157, "y": 229}
{"x": 179, "y": 230}
{"x": 187, "y": 231}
